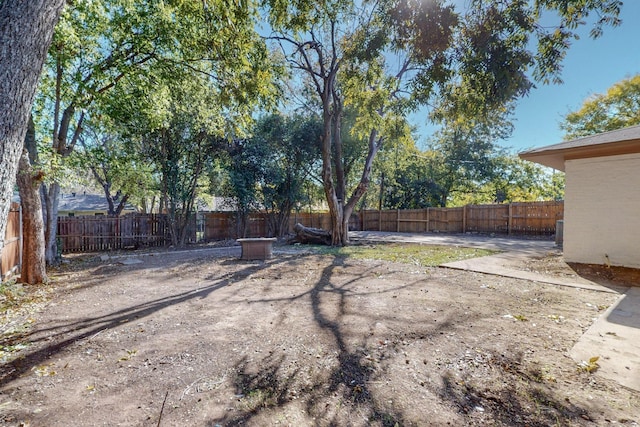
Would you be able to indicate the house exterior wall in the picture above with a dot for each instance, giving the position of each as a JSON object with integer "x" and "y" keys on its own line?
{"x": 602, "y": 211}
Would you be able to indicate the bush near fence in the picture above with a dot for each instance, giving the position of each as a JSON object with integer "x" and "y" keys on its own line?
{"x": 103, "y": 233}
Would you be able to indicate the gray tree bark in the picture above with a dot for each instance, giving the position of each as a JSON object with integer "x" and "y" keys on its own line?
{"x": 26, "y": 30}
{"x": 50, "y": 197}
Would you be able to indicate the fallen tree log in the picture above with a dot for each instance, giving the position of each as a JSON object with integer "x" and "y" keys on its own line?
{"x": 310, "y": 235}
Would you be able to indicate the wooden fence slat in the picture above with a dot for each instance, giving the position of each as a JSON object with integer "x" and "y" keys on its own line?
{"x": 10, "y": 256}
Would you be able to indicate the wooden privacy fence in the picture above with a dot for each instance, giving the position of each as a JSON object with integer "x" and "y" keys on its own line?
{"x": 531, "y": 218}
{"x": 446, "y": 220}
{"x": 11, "y": 256}
{"x": 103, "y": 233}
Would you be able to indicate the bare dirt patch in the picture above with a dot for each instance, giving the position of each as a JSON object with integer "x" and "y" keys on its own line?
{"x": 554, "y": 265}
{"x": 203, "y": 338}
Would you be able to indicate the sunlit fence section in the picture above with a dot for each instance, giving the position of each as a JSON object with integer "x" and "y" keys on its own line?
{"x": 531, "y": 218}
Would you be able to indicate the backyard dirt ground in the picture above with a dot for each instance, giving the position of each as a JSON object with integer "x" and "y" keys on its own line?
{"x": 205, "y": 339}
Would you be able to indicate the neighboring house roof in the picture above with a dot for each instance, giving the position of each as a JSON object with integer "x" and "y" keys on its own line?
{"x": 218, "y": 204}
{"x": 622, "y": 141}
{"x": 85, "y": 203}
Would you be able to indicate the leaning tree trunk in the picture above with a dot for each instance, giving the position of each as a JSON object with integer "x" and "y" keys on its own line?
{"x": 33, "y": 243}
{"x": 26, "y": 30}
{"x": 33, "y": 263}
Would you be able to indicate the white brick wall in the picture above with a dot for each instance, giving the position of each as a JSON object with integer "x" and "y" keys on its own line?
{"x": 602, "y": 210}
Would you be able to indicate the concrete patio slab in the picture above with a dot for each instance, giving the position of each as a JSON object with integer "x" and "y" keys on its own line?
{"x": 615, "y": 339}
{"x": 503, "y": 264}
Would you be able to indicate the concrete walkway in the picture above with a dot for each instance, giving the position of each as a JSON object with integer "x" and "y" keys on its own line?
{"x": 614, "y": 336}
{"x": 466, "y": 240}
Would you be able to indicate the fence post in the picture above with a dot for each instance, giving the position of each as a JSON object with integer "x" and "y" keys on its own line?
{"x": 428, "y": 219}
{"x": 510, "y": 219}
{"x": 397, "y": 220}
{"x": 21, "y": 241}
{"x": 379, "y": 220}
{"x": 464, "y": 219}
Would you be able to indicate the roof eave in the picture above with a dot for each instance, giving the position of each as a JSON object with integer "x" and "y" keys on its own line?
{"x": 550, "y": 159}
{"x": 556, "y": 157}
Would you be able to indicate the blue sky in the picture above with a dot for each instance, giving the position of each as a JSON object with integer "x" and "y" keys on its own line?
{"x": 590, "y": 67}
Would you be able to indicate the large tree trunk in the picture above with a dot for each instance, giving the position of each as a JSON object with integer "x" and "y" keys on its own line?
{"x": 26, "y": 30}
{"x": 329, "y": 139}
{"x": 33, "y": 262}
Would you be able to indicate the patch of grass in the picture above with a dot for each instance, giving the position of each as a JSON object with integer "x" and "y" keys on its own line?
{"x": 421, "y": 255}
{"x": 257, "y": 399}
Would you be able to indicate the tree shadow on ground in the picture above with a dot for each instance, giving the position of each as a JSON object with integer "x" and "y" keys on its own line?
{"x": 523, "y": 398}
{"x": 101, "y": 269}
{"x": 348, "y": 379}
{"x": 61, "y": 336}
{"x": 267, "y": 385}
